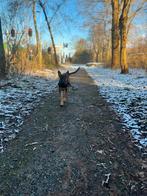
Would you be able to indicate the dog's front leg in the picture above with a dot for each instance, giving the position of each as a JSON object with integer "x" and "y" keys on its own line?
{"x": 65, "y": 95}
{"x": 61, "y": 98}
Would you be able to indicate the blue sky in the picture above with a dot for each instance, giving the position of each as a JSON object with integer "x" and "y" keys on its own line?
{"x": 64, "y": 31}
{"x": 71, "y": 30}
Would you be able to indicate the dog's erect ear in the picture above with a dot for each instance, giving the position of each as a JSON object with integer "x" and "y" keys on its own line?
{"x": 59, "y": 74}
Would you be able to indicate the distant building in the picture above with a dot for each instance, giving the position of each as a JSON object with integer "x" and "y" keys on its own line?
{"x": 62, "y": 53}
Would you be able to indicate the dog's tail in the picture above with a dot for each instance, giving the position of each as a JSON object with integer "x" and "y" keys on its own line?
{"x": 74, "y": 71}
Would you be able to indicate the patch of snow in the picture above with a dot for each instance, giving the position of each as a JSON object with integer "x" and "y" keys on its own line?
{"x": 18, "y": 97}
{"x": 128, "y": 96}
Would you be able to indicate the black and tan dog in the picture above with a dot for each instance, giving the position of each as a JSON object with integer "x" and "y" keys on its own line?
{"x": 64, "y": 83}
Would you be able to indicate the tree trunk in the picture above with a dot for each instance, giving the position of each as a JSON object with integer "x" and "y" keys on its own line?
{"x": 97, "y": 57}
{"x": 39, "y": 51}
{"x": 123, "y": 52}
{"x": 123, "y": 36}
{"x": 115, "y": 33}
{"x": 108, "y": 52}
{"x": 2, "y": 55}
{"x": 50, "y": 31}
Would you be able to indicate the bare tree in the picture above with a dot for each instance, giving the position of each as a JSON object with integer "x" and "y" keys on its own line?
{"x": 97, "y": 41}
{"x": 97, "y": 16}
{"x": 115, "y": 33}
{"x": 125, "y": 21}
{"x": 38, "y": 42}
{"x": 123, "y": 13}
{"x": 50, "y": 20}
{"x": 2, "y": 54}
{"x": 19, "y": 7}
{"x": 32, "y": 4}
{"x": 50, "y": 30}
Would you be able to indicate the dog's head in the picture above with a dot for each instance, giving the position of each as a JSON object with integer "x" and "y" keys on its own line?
{"x": 63, "y": 79}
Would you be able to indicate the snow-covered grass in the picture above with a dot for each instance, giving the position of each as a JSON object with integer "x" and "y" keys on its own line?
{"x": 18, "y": 97}
{"x": 127, "y": 95}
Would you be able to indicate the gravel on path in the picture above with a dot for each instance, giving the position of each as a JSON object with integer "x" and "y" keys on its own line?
{"x": 73, "y": 150}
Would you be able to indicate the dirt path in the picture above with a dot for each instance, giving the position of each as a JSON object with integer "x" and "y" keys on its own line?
{"x": 67, "y": 151}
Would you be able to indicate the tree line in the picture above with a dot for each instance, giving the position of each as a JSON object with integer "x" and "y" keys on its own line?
{"x": 109, "y": 30}
{"x": 109, "y": 23}
{"x": 17, "y": 11}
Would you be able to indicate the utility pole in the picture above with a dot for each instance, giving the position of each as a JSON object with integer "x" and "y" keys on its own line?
{"x": 2, "y": 55}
